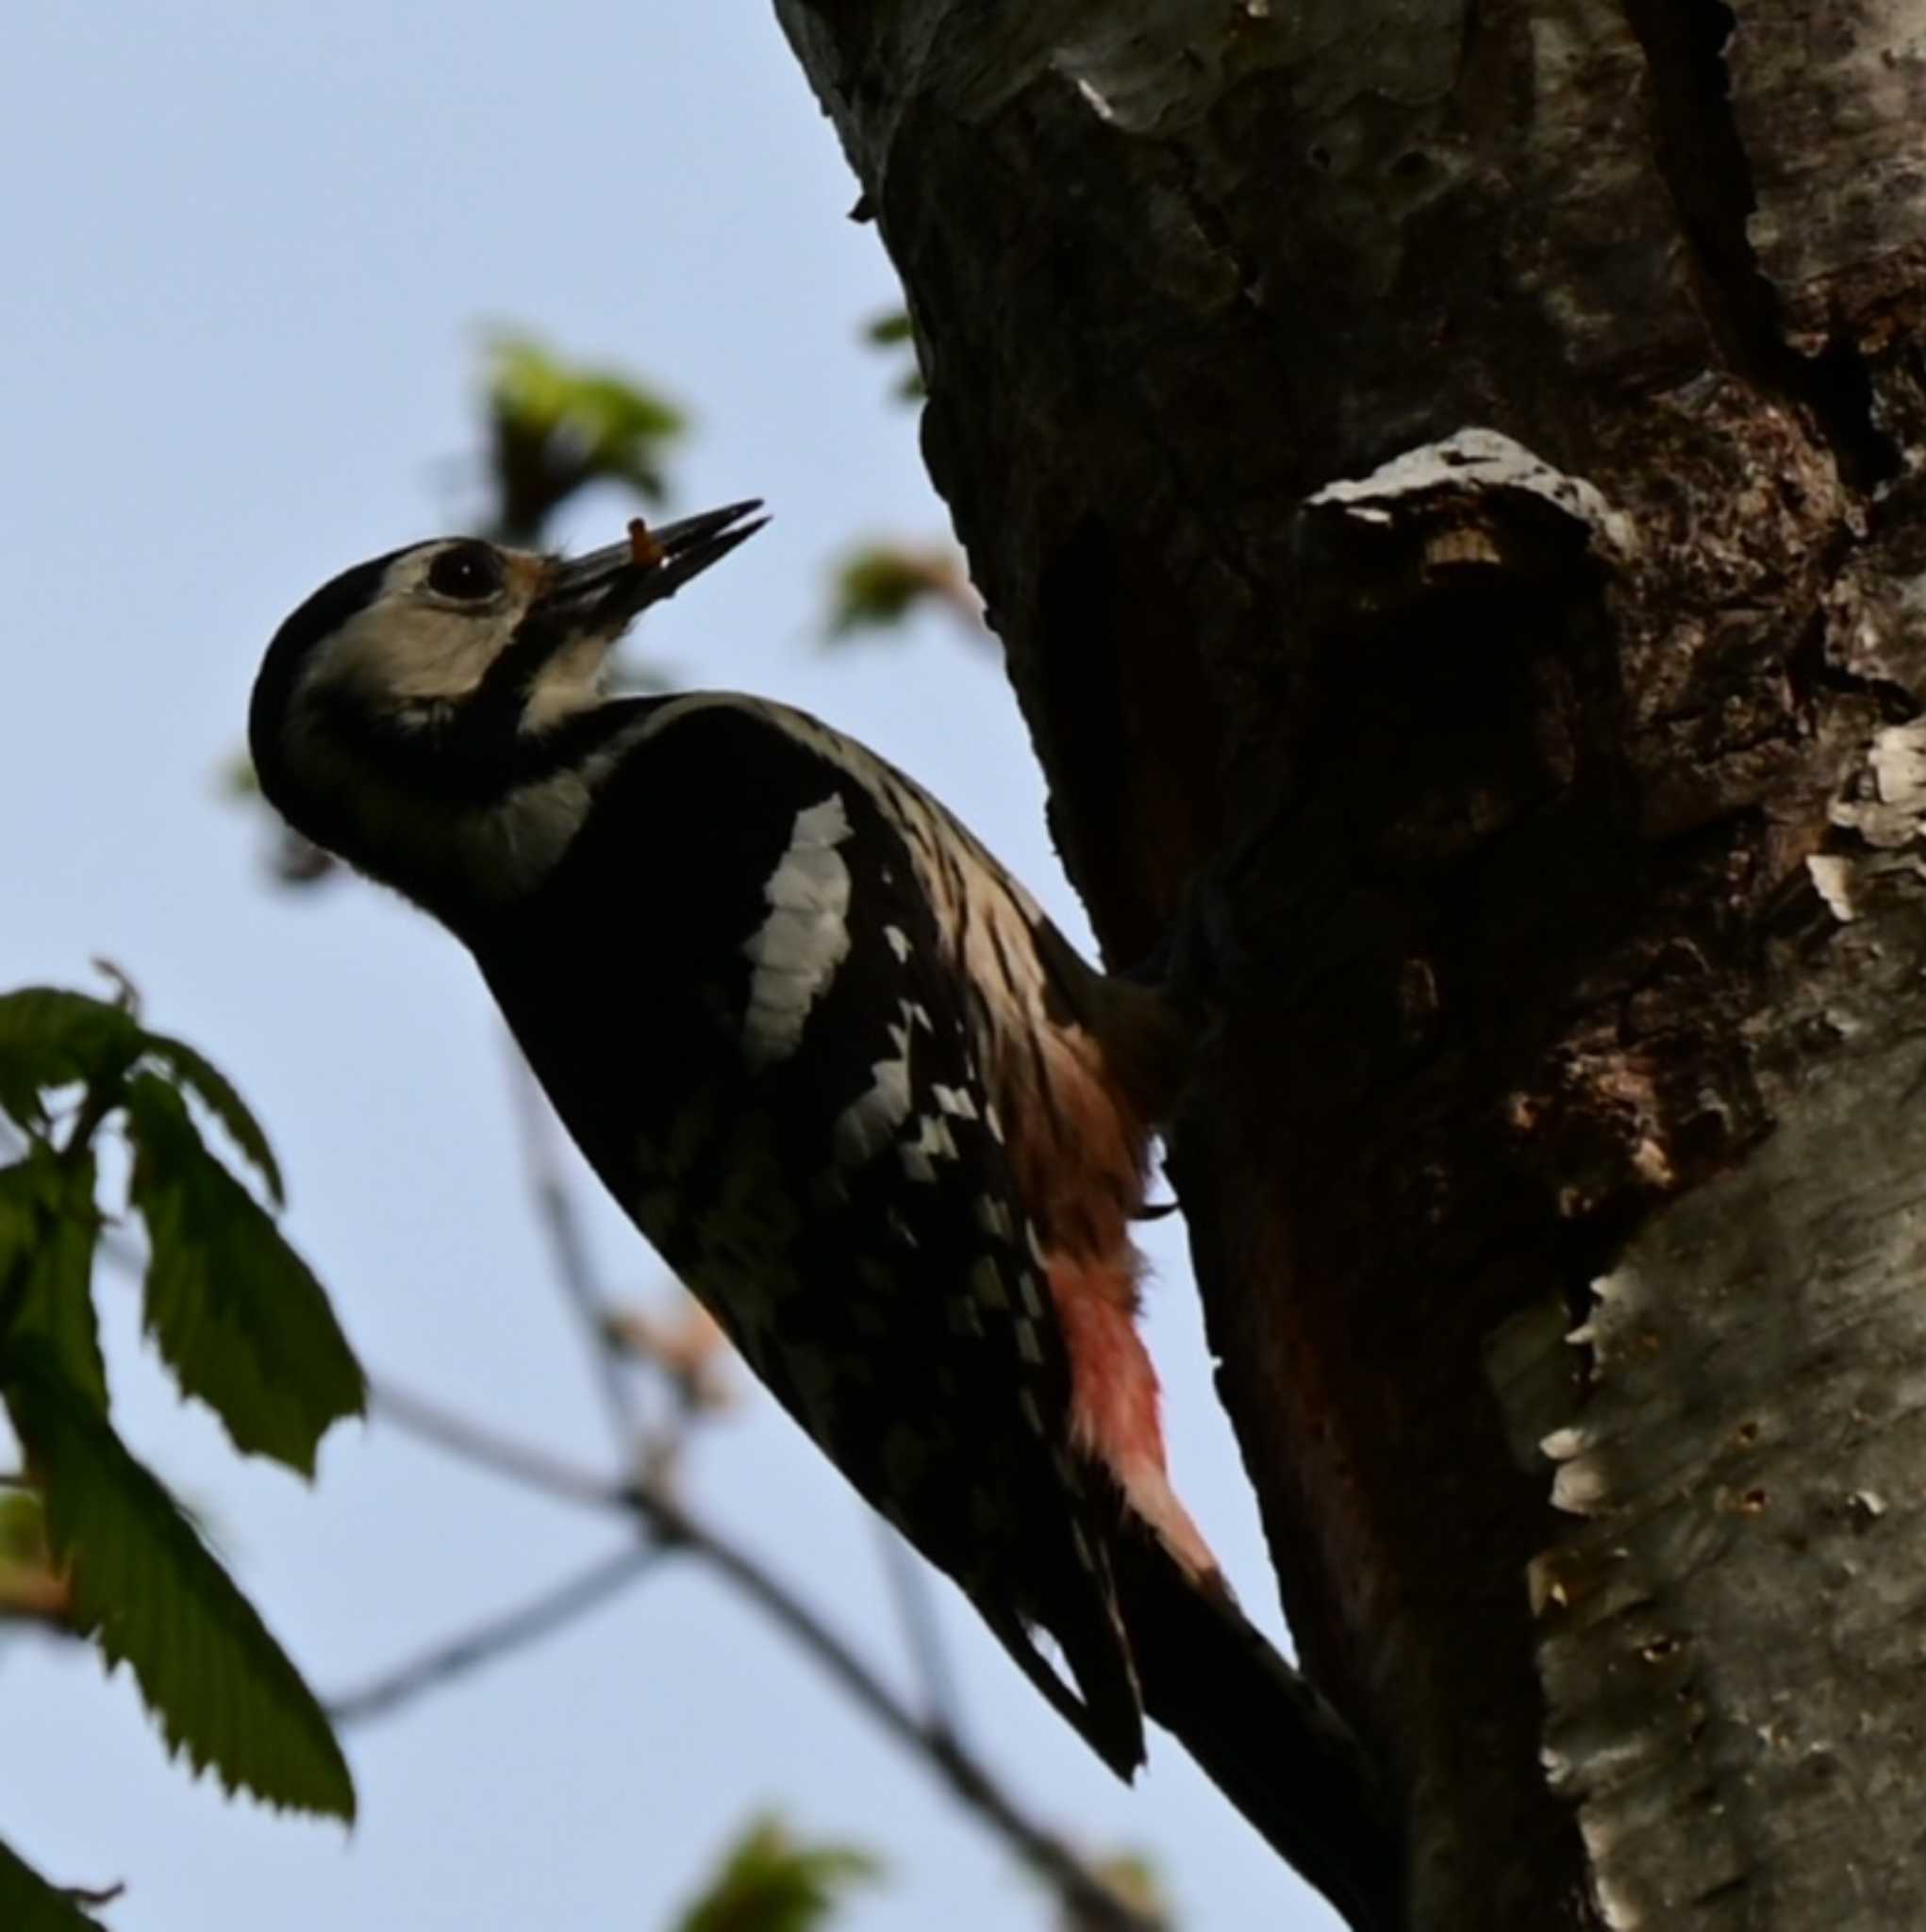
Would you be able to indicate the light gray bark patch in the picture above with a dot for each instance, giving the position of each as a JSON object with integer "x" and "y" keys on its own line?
{"x": 1814, "y": 86}
{"x": 1887, "y": 812}
{"x": 1732, "y": 1638}
{"x": 1771, "y": 173}
{"x": 1472, "y": 463}
{"x": 1831, "y": 878}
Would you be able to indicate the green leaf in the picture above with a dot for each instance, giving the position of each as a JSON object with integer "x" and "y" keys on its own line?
{"x": 152, "y": 1594}
{"x": 233, "y": 1310}
{"x": 611, "y": 425}
{"x": 236, "y": 777}
{"x": 770, "y": 1883}
{"x": 1134, "y": 1877}
{"x": 52, "y": 1038}
{"x": 889, "y": 328}
{"x": 48, "y": 1224}
{"x": 216, "y": 1093}
{"x": 30, "y": 1904}
{"x": 881, "y": 584}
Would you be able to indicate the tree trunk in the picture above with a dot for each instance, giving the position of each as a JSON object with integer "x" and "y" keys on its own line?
{"x": 1461, "y": 456}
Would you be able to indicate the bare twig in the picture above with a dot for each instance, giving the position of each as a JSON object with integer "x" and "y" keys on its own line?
{"x": 532, "y": 1468}
{"x": 96, "y": 1896}
{"x": 573, "y": 1268}
{"x": 922, "y": 1633}
{"x": 1097, "y": 1907}
{"x": 495, "y": 1639}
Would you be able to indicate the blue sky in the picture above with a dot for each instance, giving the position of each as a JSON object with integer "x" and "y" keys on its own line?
{"x": 251, "y": 251}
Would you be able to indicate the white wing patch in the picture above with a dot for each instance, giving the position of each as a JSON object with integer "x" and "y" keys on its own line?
{"x": 796, "y": 950}
{"x": 933, "y": 1143}
{"x": 986, "y": 919}
{"x": 869, "y": 1124}
{"x": 865, "y": 1125}
{"x": 993, "y": 1218}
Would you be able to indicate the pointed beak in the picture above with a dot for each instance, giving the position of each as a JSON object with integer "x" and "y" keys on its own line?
{"x": 607, "y": 588}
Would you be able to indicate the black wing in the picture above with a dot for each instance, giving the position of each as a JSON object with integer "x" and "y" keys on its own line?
{"x": 734, "y": 992}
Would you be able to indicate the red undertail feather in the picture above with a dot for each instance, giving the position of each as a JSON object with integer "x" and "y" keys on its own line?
{"x": 1080, "y": 1160}
{"x": 1114, "y": 1408}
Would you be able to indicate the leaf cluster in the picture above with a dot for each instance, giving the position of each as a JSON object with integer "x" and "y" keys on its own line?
{"x": 769, "y": 1882}
{"x": 879, "y": 585}
{"x": 556, "y": 428}
{"x": 243, "y": 1327}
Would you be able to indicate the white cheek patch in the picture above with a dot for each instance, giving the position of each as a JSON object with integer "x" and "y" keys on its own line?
{"x": 796, "y": 950}
{"x": 416, "y": 653}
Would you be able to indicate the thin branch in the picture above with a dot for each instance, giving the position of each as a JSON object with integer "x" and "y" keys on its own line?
{"x": 573, "y": 1268}
{"x": 497, "y": 1638}
{"x": 1098, "y": 1908}
{"x": 534, "y": 1469}
{"x": 916, "y": 1609}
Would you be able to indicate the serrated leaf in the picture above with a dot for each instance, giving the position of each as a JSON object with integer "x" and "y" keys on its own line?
{"x": 52, "y": 1038}
{"x": 153, "y": 1596}
{"x": 217, "y": 1093}
{"x": 48, "y": 1226}
{"x": 771, "y": 1883}
{"x": 30, "y": 1904}
{"x": 235, "y": 1311}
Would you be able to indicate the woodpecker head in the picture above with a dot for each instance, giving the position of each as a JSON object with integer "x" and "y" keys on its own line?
{"x": 442, "y": 682}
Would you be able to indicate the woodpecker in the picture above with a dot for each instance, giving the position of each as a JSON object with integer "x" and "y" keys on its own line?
{"x": 844, "y": 1075}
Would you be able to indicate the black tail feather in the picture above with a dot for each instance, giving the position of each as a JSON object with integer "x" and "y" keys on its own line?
{"x": 1109, "y": 1722}
{"x": 1262, "y": 1734}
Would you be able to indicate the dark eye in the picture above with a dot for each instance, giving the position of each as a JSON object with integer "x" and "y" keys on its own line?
{"x": 468, "y": 570}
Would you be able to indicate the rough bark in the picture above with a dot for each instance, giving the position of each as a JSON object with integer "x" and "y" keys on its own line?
{"x": 1461, "y": 455}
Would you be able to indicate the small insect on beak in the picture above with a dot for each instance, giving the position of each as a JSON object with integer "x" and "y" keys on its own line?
{"x": 605, "y": 588}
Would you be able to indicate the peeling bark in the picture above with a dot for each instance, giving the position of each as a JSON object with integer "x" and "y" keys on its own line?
{"x": 1465, "y": 457}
